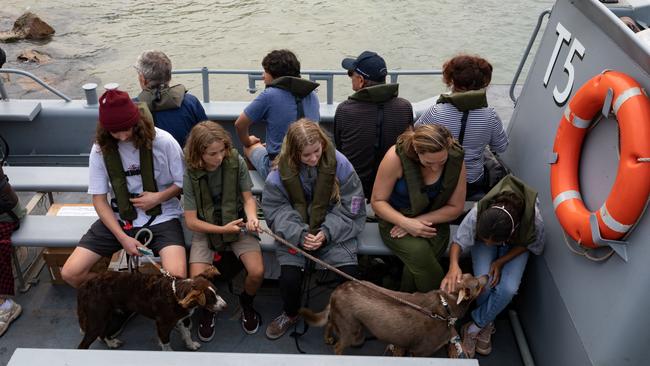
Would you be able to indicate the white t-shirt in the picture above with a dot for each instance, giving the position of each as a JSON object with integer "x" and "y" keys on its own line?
{"x": 168, "y": 163}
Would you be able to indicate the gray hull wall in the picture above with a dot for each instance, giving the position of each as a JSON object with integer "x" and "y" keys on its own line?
{"x": 575, "y": 311}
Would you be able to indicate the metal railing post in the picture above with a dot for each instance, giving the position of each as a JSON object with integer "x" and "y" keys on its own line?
{"x": 393, "y": 78}
{"x": 252, "y": 78}
{"x": 329, "y": 84}
{"x": 90, "y": 90}
{"x": 206, "y": 84}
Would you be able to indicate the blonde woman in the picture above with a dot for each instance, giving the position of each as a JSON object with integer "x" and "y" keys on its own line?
{"x": 217, "y": 195}
{"x": 312, "y": 198}
{"x": 420, "y": 187}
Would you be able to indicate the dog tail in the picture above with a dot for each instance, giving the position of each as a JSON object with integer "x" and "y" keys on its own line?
{"x": 315, "y": 319}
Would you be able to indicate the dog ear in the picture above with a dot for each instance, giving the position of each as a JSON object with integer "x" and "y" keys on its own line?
{"x": 194, "y": 295}
{"x": 210, "y": 272}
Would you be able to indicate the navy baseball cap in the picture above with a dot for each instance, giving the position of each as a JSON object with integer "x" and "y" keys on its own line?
{"x": 369, "y": 65}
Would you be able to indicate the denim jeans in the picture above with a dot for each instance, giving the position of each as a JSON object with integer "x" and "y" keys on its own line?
{"x": 261, "y": 161}
{"x": 493, "y": 300}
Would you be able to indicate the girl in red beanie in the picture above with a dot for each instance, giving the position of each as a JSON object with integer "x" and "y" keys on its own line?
{"x": 144, "y": 167}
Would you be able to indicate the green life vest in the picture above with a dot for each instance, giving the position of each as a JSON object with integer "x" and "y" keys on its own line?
{"x": 524, "y": 234}
{"x": 164, "y": 98}
{"x": 117, "y": 176}
{"x": 321, "y": 194}
{"x": 226, "y": 211}
{"x": 465, "y": 101}
{"x": 418, "y": 198}
{"x": 376, "y": 94}
{"x": 299, "y": 87}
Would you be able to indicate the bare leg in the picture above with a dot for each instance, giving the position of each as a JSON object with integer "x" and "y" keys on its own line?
{"x": 255, "y": 271}
{"x": 173, "y": 260}
{"x": 76, "y": 269}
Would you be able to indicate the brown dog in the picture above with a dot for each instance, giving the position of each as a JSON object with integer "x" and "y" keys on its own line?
{"x": 154, "y": 296}
{"x": 353, "y": 306}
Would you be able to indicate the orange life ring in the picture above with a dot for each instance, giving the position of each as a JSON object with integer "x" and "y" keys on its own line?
{"x": 627, "y": 198}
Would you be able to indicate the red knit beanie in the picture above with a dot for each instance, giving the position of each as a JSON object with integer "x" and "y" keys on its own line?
{"x": 116, "y": 111}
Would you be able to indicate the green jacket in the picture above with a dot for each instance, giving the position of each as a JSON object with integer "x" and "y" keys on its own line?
{"x": 225, "y": 211}
{"x": 419, "y": 199}
{"x": 322, "y": 191}
{"x": 117, "y": 176}
{"x": 524, "y": 234}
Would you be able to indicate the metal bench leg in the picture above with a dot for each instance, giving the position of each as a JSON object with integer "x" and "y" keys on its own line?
{"x": 29, "y": 276}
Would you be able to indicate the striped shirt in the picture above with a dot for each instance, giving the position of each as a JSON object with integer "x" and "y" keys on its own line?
{"x": 483, "y": 128}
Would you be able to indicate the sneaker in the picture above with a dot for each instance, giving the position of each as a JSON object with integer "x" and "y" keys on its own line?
{"x": 483, "y": 340}
{"x": 280, "y": 325}
{"x": 7, "y": 316}
{"x": 469, "y": 340}
{"x": 118, "y": 321}
{"x": 207, "y": 320}
{"x": 250, "y": 320}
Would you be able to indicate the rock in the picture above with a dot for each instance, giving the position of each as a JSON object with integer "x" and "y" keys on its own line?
{"x": 34, "y": 56}
{"x": 27, "y": 26}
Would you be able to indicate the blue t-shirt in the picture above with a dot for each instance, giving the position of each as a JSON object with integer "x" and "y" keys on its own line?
{"x": 277, "y": 107}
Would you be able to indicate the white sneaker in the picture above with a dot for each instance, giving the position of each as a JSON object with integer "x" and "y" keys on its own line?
{"x": 7, "y": 316}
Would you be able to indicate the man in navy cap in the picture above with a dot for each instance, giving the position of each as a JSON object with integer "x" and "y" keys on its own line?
{"x": 368, "y": 123}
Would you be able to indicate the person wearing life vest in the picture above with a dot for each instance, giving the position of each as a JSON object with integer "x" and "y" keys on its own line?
{"x": 500, "y": 230}
{"x": 313, "y": 199}
{"x": 419, "y": 189}
{"x": 368, "y": 123}
{"x": 144, "y": 166}
{"x": 11, "y": 211}
{"x": 217, "y": 195}
{"x": 466, "y": 114}
{"x": 172, "y": 107}
{"x": 286, "y": 99}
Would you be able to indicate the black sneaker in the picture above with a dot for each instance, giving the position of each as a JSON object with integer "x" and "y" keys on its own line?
{"x": 206, "y": 325}
{"x": 118, "y": 321}
{"x": 250, "y": 319}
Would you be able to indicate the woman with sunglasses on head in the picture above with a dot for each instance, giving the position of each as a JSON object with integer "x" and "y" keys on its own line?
{"x": 419, "y": 189}
{"x": 499, "y": 230}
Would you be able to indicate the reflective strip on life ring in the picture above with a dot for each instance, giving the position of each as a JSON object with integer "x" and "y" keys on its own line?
{"x": 627, "y": 198}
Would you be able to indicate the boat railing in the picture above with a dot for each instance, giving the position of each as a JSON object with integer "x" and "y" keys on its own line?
{"x": 531, "y": 41}
{"x": 5, "y": 96}
{"x": 326, "y": 76}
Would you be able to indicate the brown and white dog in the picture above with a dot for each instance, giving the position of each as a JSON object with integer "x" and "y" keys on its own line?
{"x": 353, "y": 307}
{"x": 154, "y": 296}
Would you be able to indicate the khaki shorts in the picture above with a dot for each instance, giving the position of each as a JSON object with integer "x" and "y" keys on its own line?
{"x": 201, "y": 252}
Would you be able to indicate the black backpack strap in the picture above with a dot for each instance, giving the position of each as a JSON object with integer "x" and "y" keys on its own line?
{"x": 379, "y": 135}
{"x": 463, "y": 124}
{"x": 301, "y": 110}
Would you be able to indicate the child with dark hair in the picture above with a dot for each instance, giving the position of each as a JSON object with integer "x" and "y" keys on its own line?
{"x": 287, "y": 98}
{"x": 465, "y": 112}
{"x": 499, "y": 230}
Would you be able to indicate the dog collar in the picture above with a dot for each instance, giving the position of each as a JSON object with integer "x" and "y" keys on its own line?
{"x": 174, "y": 287}
{"x": 450, "y": 320}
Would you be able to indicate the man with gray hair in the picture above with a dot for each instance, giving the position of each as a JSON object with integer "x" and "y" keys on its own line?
{"x": 173, "y": 109}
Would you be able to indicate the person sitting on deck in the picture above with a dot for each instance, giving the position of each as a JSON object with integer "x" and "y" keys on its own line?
{"x": 11, "y": 211}
{"x": 314, "y": 200}
{"x": 420, "y": 188}
{"x": 287, "y": 98}
{"x": 466, "y": 114}
{"x": 173, "y": 108}
{"x": 216, "y": 195}
{"x": 500, "y": 230}
{"x": 369, "y": 122}
{"x": 144, "y": 166}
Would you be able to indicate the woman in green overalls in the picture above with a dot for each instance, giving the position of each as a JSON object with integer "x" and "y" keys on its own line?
{"x": 419, "y": 189}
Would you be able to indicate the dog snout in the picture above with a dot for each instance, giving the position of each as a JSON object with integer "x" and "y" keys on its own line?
{"x": 219, "y": 305}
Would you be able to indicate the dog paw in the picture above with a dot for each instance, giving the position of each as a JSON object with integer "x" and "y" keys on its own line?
{"x": 193, "y": 346}
{"x": 113, "y": 343}
{"x": 330, "y": 341}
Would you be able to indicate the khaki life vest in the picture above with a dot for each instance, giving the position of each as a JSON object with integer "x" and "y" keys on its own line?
{"x": 465, "y": 101}
{"x": 322, "y": 191}
{"x": 418, "y": 197}
{"x": 117, "y": 176}
{"x": 524, "y": 233}
{"x": 225, "y": 211}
